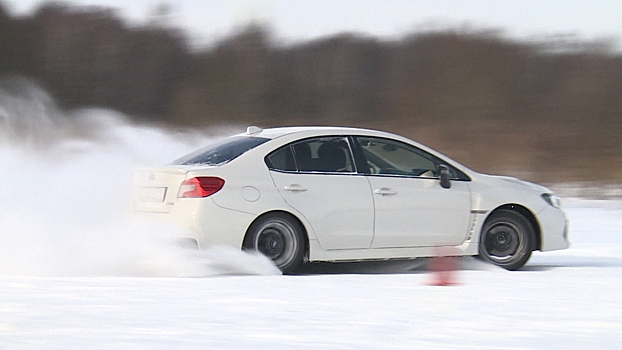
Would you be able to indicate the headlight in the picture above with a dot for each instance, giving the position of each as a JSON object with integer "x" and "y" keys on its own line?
{"x": 552, "y": 199}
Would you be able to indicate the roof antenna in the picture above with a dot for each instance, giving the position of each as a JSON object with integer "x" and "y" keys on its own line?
{"x": 253, "y": 130}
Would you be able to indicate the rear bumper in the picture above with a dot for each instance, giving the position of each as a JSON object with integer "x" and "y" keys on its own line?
{"x": 202, "y": 220}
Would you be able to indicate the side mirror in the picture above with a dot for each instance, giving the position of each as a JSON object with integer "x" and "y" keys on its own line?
{"x": 443, "y": 171}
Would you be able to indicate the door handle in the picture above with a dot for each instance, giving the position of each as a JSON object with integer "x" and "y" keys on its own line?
{"x": 295, "y": 188}
{"x": 385, "y": 191}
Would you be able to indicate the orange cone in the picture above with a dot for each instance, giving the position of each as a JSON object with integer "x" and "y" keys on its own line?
{"x": 443, "y": 268}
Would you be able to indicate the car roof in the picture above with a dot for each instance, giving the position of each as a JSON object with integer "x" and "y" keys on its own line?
{"x": 311, "y": 131}
{"x": 272, "y": 133}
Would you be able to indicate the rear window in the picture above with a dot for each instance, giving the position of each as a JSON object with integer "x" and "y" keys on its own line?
{"x": 221, "y": 152}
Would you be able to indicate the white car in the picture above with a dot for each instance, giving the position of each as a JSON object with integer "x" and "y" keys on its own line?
{"x": 300, "y": 194}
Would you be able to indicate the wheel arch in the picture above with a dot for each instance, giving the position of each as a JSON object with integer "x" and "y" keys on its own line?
{"x": 527, "y": 214}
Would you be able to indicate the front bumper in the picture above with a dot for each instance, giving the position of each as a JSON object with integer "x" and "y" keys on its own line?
{"x": 554, "y": 228}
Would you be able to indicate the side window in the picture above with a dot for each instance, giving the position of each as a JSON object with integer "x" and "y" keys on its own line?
{"x": 323, "y": 154}
{"x": 392, "y": 157}
{"x": 281, "y": 159}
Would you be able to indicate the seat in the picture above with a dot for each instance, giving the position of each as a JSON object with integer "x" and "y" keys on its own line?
{"x": 332, "y": 158}
{"x": 303, "y": 157}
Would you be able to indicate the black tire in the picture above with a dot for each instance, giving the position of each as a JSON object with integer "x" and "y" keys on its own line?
{"x": 507, "y": 240}
{"x": 280, "y": 238}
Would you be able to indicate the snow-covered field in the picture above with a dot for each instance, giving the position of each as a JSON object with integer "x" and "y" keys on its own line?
{"x": 563, "y": 300}
{"x": 78, "y": 272}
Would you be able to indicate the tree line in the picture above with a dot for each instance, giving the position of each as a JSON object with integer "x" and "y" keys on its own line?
{"x": 550, "y": 106}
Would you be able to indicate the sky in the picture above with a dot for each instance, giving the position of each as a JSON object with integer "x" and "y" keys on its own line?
{"x": 297, "y": 20}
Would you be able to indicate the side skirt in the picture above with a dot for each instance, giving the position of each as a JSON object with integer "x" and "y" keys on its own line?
{"x": 468, "y": 248}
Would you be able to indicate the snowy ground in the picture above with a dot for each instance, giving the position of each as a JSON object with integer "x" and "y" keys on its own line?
{"x": 560, "y": 300}
{"x": 77, "y": 272}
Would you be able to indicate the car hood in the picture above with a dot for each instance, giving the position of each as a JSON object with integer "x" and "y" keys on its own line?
{"x": 507, "y": 181}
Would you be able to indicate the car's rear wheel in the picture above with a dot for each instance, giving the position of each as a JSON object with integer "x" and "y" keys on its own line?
{"x": 280, "y": 238}
{"x": 507, "y": 240}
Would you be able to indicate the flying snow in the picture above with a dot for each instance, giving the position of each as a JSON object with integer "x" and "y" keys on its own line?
{"x": 65, "y": 194}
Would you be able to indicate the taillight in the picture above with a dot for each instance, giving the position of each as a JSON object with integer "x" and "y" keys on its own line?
{"x": 199, "y": 187}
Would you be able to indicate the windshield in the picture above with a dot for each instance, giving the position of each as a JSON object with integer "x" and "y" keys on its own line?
{"x": 221, "y": 152}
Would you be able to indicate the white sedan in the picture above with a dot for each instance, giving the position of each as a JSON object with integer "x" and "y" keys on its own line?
{"x": 300, "y": 194}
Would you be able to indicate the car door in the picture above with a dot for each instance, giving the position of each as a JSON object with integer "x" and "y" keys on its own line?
{"x": 318, "y": 178}
{"x": 411, "y": 208}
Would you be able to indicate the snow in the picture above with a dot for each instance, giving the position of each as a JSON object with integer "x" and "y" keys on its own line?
{"x": 77, "y": 271}
{"x": 566, "y": 300}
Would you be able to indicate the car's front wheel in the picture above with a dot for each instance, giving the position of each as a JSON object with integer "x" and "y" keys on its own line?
{"x": 507, "y": 240}
{"x": 278, "y": 237}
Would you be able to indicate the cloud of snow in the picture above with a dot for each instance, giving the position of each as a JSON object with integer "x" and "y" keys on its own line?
{"x": 65, "y": 184}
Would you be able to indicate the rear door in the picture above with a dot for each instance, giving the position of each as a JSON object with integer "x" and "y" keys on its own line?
{"x": 318, "y": 178}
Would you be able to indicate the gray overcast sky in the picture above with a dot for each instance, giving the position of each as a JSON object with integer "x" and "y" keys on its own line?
{"x": 306, "y": 19}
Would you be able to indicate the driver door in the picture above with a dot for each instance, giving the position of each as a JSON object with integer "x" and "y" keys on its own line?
{"x": 411, "y": 208}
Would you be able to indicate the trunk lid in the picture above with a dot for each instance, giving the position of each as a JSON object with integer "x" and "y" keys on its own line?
{"x": 155, "y": 189}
